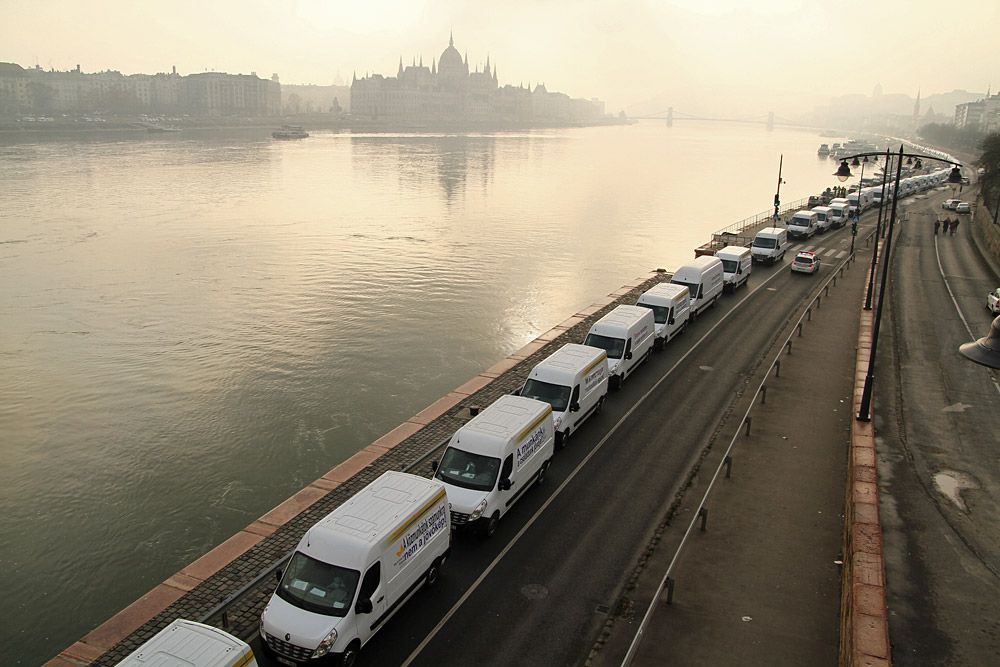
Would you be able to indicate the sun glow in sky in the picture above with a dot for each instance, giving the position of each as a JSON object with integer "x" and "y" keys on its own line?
{"x": 698, "y": 54}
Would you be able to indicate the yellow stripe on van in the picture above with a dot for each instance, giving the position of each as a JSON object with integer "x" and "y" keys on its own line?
{"x": 534, "y": 424}
{"x": 247, "y": 657}
{"x": 600, "y": 360}
{"x": 423, "y": 510}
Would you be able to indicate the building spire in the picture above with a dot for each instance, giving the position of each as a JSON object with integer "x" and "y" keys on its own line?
{"x": 451, "y": 38}
{"x": 400, "y": 72}
{"x": 421, "y": 61}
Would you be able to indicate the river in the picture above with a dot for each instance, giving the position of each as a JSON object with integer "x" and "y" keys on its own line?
{"x": 196, "y": 326}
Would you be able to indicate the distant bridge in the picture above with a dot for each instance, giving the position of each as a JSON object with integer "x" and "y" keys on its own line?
{"x": 769, "y": 119}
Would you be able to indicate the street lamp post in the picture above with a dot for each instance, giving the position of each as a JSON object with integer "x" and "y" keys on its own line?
{"x": 844, "y": 172}
{"x": 777, "y": 192}
{"x": 857, "y": 213}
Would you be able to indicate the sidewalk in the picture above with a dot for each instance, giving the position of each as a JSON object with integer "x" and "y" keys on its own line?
{"x": 762, "y": 586}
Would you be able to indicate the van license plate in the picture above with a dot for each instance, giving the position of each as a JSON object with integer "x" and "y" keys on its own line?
{"x": 286, "y": 661}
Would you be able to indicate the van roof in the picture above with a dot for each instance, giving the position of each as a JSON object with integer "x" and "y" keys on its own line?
{"x": 700, "y": 263}
{"x": 623, "y": 316}
{"x": 804, "y": 214}
{"x": 374, "y": 513}
{"x": 507, "y": 418}
{"x": 189, "y": 643}
{"x": 821, "y": 209}
{"x": 667, "y": 291}
{"x": 567, "y": 361}
{"x": 737, "y": 250}
{"x": 771, "y": 231}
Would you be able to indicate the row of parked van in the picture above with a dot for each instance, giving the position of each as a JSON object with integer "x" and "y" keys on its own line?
{"x": 819, "y": 219}
{"x": 354, "y": 569}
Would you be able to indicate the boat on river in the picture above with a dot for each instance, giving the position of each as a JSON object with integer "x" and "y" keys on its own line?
{"x": 824, "y": 150}
{"x": 290, "y": 132}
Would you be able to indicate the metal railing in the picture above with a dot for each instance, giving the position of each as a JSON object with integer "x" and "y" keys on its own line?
{"x": 667, "y": 582}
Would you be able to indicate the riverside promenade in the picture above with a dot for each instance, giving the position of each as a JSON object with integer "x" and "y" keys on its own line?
{"x": 798, "y": 457}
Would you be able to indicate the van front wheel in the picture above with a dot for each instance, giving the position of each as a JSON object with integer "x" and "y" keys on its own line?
{"x": 540, "y": 478}
{"x": 433, "y": 573}
{"x": 490, "y": 527}
{"x": 350, "y": 657}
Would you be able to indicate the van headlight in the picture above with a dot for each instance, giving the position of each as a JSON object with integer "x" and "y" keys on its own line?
{"x": 478, "y": 512}
{"x": 558, "y": 421}
{"x": 325, "y": 645}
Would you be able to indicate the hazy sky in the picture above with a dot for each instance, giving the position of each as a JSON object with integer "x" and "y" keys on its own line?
{"x": 697, "y": 54}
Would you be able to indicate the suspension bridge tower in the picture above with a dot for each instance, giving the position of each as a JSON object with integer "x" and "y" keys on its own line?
{"x": 670, "y": 117}
{"x": 770, "y": 121}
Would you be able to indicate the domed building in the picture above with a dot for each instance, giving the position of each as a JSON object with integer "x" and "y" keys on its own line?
{"x": 447, "y": 92}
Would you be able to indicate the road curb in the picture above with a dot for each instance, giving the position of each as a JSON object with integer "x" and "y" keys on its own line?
{"x": 864, "y": 619}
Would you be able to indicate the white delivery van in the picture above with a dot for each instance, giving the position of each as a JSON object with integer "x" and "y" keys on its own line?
{"x": 803, "y": 224}
{"x": 190, "y": 643}
{"x": 626, "y": 334}
{"x": 769, "y": 245}
{"x": 737, "y": 262}
{"x": 822, "y": 218}
{"x": 703, "y": 277}
{"x": 356, "y": 567}
{"x": 574, "y": 381}
{"x": 840, "y": 213}
{"x": 495, "y": 458}
{"x": 671, "y": 306}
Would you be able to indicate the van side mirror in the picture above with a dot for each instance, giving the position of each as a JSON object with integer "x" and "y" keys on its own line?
{"x": 628, "y": 355}
{"x": 364, "y": 606}
{"x": 434, "y": 465}
{"x": 517, "y": 392}
{"x": 670, "y": 321}
{"x": 575, "y": 407}
{"x": 505, "y": 484}
{"x": 278, "y": 573}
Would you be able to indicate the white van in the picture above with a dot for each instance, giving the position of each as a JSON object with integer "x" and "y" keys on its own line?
{"x": 803, "y": 224}
{"x": 671, "y": 306}
{"x": 823, "y": 222}
{"x": 840, "y": 213}
{"x": 190, "y": 643}
{"x": 356, "y": 567}
{"x": 626, "y": 334}
{"x": 495, "y": 458}
{"x": 703, "y": 277}
{"x": 574, "y": 381}
{"x": 737, "y": 262}
{"x": 769, "y": 245}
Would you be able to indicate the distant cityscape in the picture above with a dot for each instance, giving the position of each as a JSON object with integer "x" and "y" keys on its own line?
{"x": 446, "y": 91}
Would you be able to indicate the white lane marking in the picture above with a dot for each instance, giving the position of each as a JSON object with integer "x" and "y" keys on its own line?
{"x": 958, "y": 310}
{"x": 842, "y": 254}
{"x": 808, "y": 248}
{"x": 465, "y": 596}
{"x": 828, "y": 252}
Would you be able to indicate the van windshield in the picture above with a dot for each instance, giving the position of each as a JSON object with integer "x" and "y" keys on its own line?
{"x": 660, "y": 313}
{"x": 318, "y": 587}
{"x": 764, "y": 243}
{"x": 468, "y": 470}
{"x": 693, "y": 288}
{"x": 730, "y": 265}
{"x": 615, "y": 347}
{"x": 555, "y": 395}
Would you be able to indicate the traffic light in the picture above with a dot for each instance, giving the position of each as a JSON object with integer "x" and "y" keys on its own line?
{"x": 854, "y": 228}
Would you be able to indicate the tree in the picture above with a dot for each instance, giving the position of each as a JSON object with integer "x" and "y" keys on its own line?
{"x": 989, "y": 160}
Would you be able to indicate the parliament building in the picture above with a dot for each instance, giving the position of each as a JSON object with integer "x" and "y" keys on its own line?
{"x": 448, "y": 92}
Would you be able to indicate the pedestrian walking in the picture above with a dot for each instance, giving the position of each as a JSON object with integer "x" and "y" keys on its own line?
{"x": 937, "y": 226}
{"x": 954, "y": 225}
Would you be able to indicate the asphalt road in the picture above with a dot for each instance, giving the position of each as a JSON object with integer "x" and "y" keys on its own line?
{"x": 538, "y": 592}
{"x": 936, "y": 419}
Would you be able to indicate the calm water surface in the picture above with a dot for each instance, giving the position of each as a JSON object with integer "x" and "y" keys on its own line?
{"x": 193, "y": 328}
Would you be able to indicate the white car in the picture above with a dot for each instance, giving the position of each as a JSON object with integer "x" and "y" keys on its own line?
{"x": 993, "y": 301}
{"x": 950, "y": 204}
{"x": 806, "y": 262}
{"x": 963, "y": 207}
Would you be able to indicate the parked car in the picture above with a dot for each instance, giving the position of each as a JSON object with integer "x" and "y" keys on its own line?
{"x": 993, "y": 301}
{"x": 950, "y": 204}
{"x": 806, "y": 262}
{"x": 963, "y": 207}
